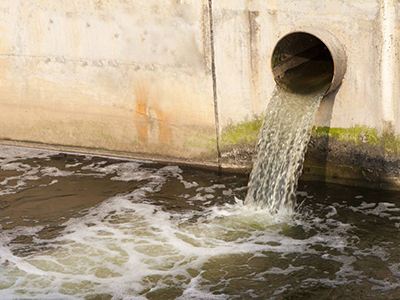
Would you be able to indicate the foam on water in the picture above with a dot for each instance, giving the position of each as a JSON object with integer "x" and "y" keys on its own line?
{"x": 281, "y": 149}
{"x": 121, "y": 246}
{"x": 130, "y": 246}
{"x": 121, "y": 242}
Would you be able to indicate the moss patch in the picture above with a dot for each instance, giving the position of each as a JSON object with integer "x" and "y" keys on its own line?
{"x": 201, "y": 141}
{"x": 391, "y": 142}
{"x": 387, "y": 141}
{"x": 356, "y": 134}
{"x": 247, "y": 133}
{"x": 244, "y": 133}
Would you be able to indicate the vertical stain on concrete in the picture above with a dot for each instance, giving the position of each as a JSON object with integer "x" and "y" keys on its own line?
{"x": 254, "y": 35}
{"x": 388, "y": 56}
{"x": 206, "y": 39}
{"x": 141, "y": 110}
{"x": 164, "y": 129}
{"x": 152, "y": 123}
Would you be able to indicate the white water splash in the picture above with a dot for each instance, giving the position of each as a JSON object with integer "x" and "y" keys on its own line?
{"x": 131, "y": 245}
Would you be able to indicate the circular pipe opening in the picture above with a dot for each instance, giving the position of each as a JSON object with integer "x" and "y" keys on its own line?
{"x": 302, "y": 63}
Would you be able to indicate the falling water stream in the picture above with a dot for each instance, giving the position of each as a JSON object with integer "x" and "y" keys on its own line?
{"x": 281, "y": 149}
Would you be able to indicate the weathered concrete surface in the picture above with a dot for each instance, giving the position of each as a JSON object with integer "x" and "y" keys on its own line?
{"x": 185, "y": 80}
{"x": 131, "y": 76}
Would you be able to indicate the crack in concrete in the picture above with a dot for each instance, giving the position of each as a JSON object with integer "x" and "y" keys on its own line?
{"x": 214, "y": 79}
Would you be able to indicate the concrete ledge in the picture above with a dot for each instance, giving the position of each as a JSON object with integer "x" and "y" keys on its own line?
{"x": 210, "y": 165}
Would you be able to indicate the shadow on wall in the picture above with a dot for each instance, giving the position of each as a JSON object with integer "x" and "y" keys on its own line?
{"x": 317, "y": 155}
{"x": 358, "y": 156}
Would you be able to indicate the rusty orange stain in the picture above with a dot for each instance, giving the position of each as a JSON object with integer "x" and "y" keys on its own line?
{"x": 165, "y": 132}
{"x": 141, "y": 109}
{"x": 147, "y": 115}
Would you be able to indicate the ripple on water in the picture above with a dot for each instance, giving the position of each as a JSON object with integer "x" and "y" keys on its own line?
{"x": 162, "y": 236}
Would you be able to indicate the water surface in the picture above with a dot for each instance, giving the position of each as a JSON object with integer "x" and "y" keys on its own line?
{"x": 81, "y": 227}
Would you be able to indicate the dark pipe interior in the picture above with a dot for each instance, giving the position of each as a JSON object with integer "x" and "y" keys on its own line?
{"x": 302, "y": 63}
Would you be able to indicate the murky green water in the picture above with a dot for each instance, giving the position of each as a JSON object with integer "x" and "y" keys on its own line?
{"x": 76, "y": 227}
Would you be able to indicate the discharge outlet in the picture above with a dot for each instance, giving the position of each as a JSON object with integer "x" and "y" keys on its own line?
{"x": 304, "y": 63}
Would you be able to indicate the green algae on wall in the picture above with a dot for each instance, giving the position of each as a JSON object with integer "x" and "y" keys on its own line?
{"x": 387, "y": 140}
{"x": 356, "y": 134}
{"x": 247, "y": 133}
{"x": 242, "y": 134}
{"x": 205, "y": 141}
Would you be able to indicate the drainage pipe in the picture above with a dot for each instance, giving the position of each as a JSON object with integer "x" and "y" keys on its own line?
{"x": 306, "y": 62}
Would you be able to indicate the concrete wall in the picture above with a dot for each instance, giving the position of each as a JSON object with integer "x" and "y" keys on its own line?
{"x": 132, "y": 76}
{"x": 188, "y": 79}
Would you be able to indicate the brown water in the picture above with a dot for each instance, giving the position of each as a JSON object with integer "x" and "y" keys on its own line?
{"x": 80, "y": 227}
